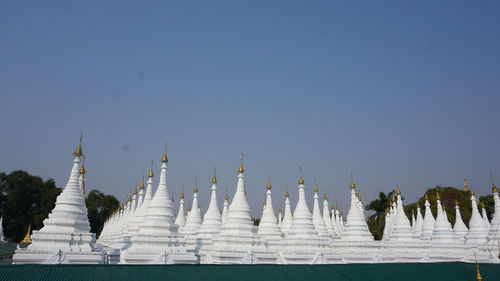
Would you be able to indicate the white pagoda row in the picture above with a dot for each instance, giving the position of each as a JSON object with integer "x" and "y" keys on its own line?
{"x": 145, "y": 231}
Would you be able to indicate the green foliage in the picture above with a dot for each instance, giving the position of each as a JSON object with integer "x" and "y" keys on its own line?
{"x": 376, "y": 222}
{"x": 25, "y": 199}
{"x": 100, "y": 206}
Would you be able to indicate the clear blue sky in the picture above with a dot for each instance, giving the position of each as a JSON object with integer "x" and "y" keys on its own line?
{"x": 383, "y": 89}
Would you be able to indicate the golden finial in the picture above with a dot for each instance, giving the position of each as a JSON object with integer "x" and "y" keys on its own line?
{"x": 269, "y": 186}
{"x": 456, "y": 202}
{"x": 241, "y": 169}
{"x": 426, "y": 197}
{"x": 437, "y": 196}
{"x": 182, "y": 195}
{"x": 135, "y": 191}
{"x": 471, "y": 192}
{"x": 478, "y": 274}
{"x": 151, "y": 174}
{"x": 195, "y": 185}
{"x": 325, "y": 198}
{"x": 79, "y": 151}
{"x": 353, "y": 183}
{"x": 466, "y": 184}
{"x": 27, "y": 237}
{"x": 398, "y": 191}
{"x": 82, "y": 170}
{"x": 494, "y": 188}
{"x": 164, "y": 158}
{"x": 301, "y": 179}
{"x": 315, "y": 186}
{"x": 287, "y": 194}
{"x": 214, "y": 178}
{"x": 418, "y": 205}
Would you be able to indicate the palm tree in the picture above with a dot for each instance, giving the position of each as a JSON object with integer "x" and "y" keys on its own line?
{"x": 381, "y": 204}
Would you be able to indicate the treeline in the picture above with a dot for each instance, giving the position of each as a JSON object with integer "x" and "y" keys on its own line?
{"x": 449, "y": 195}
{"x": 27, "y": 199}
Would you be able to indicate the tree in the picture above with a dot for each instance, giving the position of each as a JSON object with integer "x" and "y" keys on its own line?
{"x": 25, "y": 199}
{"x": 100, "y": 206}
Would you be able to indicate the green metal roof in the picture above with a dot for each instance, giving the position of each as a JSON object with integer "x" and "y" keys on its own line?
{"x": 366, "y": 272}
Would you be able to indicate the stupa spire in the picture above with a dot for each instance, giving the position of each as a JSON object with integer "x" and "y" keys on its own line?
{"x": 318, "y": 221}
{"x": 212, "y": 219}
{"x": 326, "y": 216}
{"x": 286, "y": 224}
{"x": 268, "y": 223}
{"x": 225, "y": 208}
{"x": 459, "y": 228}
{"x": 180, "y": 220}
{"x": 193, "y": 220}
{"x": 442, "y": 231}
{"x": 27, "y": 237}
{"x": 495, "y": 221}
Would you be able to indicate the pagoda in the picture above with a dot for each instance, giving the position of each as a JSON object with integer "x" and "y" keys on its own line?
{"x": 65, "y": 236}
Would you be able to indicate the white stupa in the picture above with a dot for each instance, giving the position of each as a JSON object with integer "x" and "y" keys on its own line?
{"x": 494, "y": 234}
{"x": 442, "y": 232}
{"x": 401, "y": 228}
{"x": 286, "y": 224}
{"x": 326, "y": 217}
{"x": 142, "y": 204}
{"x": 478, "y": 231}
{"x": 318, "y": 221}
{"x": 356, "y": 228}
{"x": 180, "y": 220}
{"x": 157, "y": 241}
{"x": 212, "y": 220}
{"x": 419, "y": 223}
{"x": 193, "y": 219}
{"x": 225, "y": 208}
{"x": 485, "y": 216}
{"x": 335, "y": 221}
{"x": 65, "y": 236}
{"x": 268, "y": 226}
{"x": 387, "y": 225}
{"x": 237, "y": 242}
{"x": 429, "y": 221}
{"x": 459, "y": 228}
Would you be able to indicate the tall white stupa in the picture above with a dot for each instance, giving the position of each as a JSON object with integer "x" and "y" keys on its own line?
{"x": 65, "y": 236}
{"x": 318, "y": 220}
{"x": 286, "y": 224}
{"x": 193, "y": 220}
{"x": 356, "y": 228}
{"x": 494, "y": 235}
{"x": 326, "y": 217}
{"x": 212, "y": 220}
{"x": 268, "y": 226}
{"x": 442, "y": 232}
{"x": 180, "y": 220}
{"x": 429, "y": 221}
{"x": 478, "y": 231}
{"x": 238, "y": 242}
{"x": 459, "y": 228}
{"x": 419, "y": 223}
{"x": 401, "y": 228}
{"x": 158, "y": 240}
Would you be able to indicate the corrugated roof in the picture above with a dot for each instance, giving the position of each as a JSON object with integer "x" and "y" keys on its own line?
{"x": 365, "y": 272}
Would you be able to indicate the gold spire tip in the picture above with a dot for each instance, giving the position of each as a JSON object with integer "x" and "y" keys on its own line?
{"x": 241, "y": 169}
{"x": 325, "y": 198}
{"x": 82, "y": 170}
{"x": 287, "y": 194}
{"x": 353, "y": 183}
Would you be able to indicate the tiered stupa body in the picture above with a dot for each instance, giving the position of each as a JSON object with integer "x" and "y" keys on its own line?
{"x": 478, "y": 232}
{"x": 65, "y": 237}
{"x": 442, "y": 232}
{"x": 268, "y": 226}
{"x": 193, "y": 220}
{"x": 460, "y": 229}
{"x": 401, "y": 228}
{"x": 237, "y": 242}
{"x": 429, "y": 221}
{"x": 180, "y": 220}
{"x": 318, "y": 221}
{"x": 225, "y": 209}
{"x": 485, "y": 216}
{"x": 212, "y": 220}
{"x": 356, "y": 228}
{"x": 419, "y": 223}
{"x": 142, "y": 205}
{"x": 326, "y": 217}
{"x": 157, "y": 241}
{"x": 286, "y": 224}
{"x": 494, "y": 235}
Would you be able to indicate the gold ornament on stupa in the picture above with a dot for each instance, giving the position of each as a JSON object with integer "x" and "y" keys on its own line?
{"x": 27, "y": 237}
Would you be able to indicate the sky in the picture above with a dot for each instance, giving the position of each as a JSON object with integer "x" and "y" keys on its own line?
{"x": 386, "y": 90}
